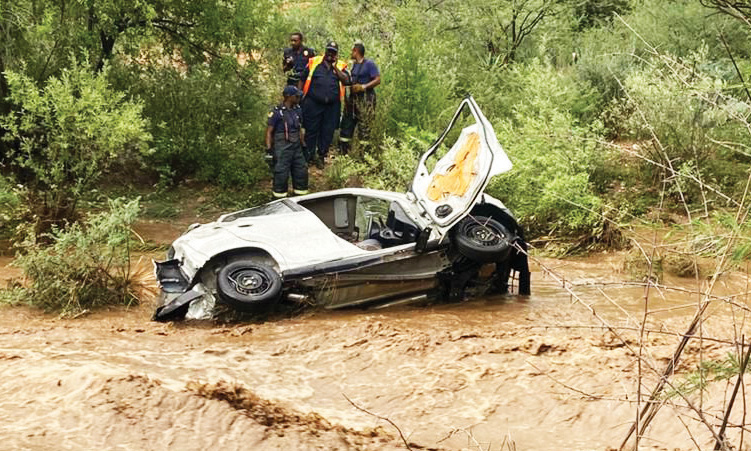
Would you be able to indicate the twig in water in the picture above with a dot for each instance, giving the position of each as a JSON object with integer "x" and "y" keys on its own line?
{"x": 507, "y": 442}
{"x": 545, "y": 373}
{"x": 380, "y": 417}
{"x": 639, "y": 378}
{"x": 469, "y": 434}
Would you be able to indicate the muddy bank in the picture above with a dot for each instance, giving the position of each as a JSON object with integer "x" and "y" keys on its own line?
{"x": 540, "y": 371}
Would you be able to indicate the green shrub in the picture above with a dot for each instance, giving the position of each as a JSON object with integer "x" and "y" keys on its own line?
{"x": 707, "y": 372}
{"x": 700, "y": 129}
{"x": 554, "y": 155}
{"x": 344, "y": 171}
{"x": 64, "y": 136}
{"x": 711, "y": 237}
{"x": 393, "y": 167}
{"x": 87, "y": 265}
{"x": 207, "y": 122}
{"x": 418, "y": 96}
{"x": 11, "y": 208}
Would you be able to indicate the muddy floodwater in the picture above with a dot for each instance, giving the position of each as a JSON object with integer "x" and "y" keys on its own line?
{"x": 536, "y": 373}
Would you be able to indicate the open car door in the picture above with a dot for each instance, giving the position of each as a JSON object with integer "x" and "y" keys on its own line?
{"x": 447, "y": 193}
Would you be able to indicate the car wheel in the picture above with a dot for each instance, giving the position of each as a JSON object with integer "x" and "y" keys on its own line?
{"x": 482, "y": 239}
{"x": 246, "y": 284}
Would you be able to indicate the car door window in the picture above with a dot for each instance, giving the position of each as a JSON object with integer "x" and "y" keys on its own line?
{"x": 370, "y": 213}
{"x": 382, "y": 224}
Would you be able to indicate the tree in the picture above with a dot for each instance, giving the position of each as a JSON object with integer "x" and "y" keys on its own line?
{"x": 144, "y": 42}
{"x": 506, "y": 27}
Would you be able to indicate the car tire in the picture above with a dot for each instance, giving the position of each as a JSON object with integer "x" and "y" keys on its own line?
{"x": 482, "y": 239}
{"x": 246, "y": 285}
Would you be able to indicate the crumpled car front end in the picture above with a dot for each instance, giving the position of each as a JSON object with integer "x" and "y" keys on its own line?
{"x": 178, "y": 296}
{"x": 183, "y": 293}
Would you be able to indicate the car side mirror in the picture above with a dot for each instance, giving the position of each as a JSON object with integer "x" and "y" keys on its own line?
{"x": 422, "y": 240}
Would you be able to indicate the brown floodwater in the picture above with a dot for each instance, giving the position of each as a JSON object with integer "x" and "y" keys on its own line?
{"x": 540, "y": 373}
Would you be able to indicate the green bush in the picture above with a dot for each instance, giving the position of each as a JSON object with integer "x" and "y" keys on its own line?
{"x": 207, "y": 121}
{"x": 87, "y": 265}
{"x": 64, "y": 136}
{"x": 700, "y": 129}
{"x": 553, "y": 152}
{"x": 393, "y": 168}
{"x": 10, "y": 206}
{"x": 549, "y": 186}
{"x": 345, "y": 171}
{"x": 418, "y": 95}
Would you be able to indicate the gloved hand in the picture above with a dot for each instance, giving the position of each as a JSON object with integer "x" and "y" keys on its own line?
{"x": 269, "y": 158}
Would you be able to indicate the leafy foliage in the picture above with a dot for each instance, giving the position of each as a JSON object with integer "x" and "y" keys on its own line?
{"x": 11, "y": 208}
{"x": 695, "y": 127}
{"x": 394, "y": 166}
{"x": 344, "y": 171}
{"x": 550, "y": 185}
{"x": 144, "y": 40}
{"x": 64, "y": 136}
{"x": 86, "y": 266}
{"x": 708, "y": 372}
{"x": 557, "y": 78}
{"x": 206, "y": 122}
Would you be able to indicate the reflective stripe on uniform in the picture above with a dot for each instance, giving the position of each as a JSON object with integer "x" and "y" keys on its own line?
{"x": 300, "y": 192}
{"x": 279, "y": 195}
{"x": 312, "y": 64}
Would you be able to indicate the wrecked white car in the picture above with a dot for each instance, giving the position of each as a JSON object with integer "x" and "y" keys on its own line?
{"x": 444, "y": 239}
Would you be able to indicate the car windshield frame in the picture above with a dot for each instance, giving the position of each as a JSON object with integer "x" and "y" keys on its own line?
{"x": 281, "y": 206}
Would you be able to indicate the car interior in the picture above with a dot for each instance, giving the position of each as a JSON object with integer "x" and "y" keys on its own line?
{"x": 368, "y": 222}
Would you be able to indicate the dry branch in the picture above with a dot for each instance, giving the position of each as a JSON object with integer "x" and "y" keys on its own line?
{"x": 380, "y": 417}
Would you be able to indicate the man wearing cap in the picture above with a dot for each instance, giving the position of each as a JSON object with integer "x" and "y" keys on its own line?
{"x": 322, "y": 84}
{"x": 295, "y": 58}
{"x": 284, "y": 140}
{"x": 360, "y": 105}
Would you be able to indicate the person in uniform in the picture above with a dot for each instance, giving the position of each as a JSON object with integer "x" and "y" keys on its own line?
{"x": 360, "y": 105}
{"x": 295, "y": 58}
{"x": 284, "y": 144}
{"x": 322, "y": 83}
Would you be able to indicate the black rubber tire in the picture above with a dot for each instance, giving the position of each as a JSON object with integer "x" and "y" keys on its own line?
{"x": 482, "y": 239}
{"x": 246, "y": 285}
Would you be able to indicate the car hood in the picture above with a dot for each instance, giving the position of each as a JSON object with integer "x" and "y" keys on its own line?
{"x": 294, "y": 239}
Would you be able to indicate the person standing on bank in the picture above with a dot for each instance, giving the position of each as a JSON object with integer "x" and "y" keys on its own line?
{"x": 295, "y": 58}
{"x": 360, "y": 105}
{"x": 322, "y": 84}
{"x": 284, "y": 142}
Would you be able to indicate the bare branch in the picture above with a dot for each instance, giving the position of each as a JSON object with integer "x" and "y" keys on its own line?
{"x": 380, "y": 417}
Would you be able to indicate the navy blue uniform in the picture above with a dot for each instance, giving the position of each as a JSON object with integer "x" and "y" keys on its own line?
{"x": 299, "y": 62}
{"x": 288, "y": 154}
{"x": 360, "y": 106}
{"x": 321, "y": 109}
